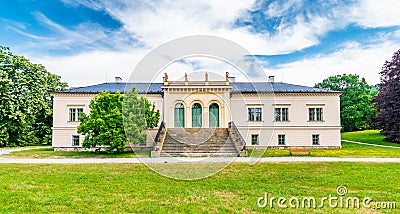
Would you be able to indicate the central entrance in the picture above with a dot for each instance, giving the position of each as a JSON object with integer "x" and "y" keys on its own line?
{"x": 196, "y": 115}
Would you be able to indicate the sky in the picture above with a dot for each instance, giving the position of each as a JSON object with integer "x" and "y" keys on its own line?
{"x": 301, "y": 42}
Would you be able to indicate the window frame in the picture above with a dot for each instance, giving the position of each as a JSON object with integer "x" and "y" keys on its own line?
{"x": 254, "y": 114}
{"x": 316, "y": 114}
{"x": 74, "y": 113}
{"x": 76, "y": 137}
{"x": 257, "y": 138}
{"x": 281, "y": 138}
{"x": 316, "y": 137}
{"x": 281, "y": 114}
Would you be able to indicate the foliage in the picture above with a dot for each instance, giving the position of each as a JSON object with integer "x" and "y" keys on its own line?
{"x": 388, "y": 100}
{"x": 25, "y": 104}
{"x": 151, "y": 113}
{"x": 116, "y": 119}
{"x": 103, "y": 126}
{"x": 134, "y": 117}
{"x": 356, "y": 108}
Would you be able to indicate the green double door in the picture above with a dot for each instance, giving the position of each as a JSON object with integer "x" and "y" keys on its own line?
{"x": 179, "y": 115}
{"x": 214, "y": 115}
{"x": 196, "y": 115}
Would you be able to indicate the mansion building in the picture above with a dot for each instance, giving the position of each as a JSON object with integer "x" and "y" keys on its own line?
{"x": 252, "y": 114}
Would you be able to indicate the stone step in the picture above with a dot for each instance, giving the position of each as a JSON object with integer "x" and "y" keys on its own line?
{"x": 204, "y": 154}
{"x": 190, "y": 142}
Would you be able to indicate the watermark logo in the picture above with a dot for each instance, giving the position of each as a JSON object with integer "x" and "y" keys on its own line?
{"x": 341, "y": 190}
{"x": 331, "y": 201}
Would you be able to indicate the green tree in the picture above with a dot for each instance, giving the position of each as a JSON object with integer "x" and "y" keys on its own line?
{"x": 152, "y": 114}
{"x": 356, "y": 108}
{"x": 103, "y": 126}
{"x": 134, "y": 112}
{"x": 114, "y": 120}
{"x": 25, "y": 104}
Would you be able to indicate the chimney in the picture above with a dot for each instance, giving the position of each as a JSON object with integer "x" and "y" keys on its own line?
{"x": 271, "y": 78}
{"x": 231, "y": 79}
{"x": 118, "y": 79}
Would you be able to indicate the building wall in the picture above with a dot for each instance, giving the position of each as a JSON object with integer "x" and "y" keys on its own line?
{"x": 298, "y": 130}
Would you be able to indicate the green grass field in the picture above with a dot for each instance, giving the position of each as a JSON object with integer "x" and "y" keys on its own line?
{"x": 122, "y": 188}
{"x": 367, "y": 136}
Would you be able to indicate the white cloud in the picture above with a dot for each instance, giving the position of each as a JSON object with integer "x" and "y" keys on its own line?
{"x": 372, "y": 13}
{"x": 353, "y": 59}
{"x": 92, "y": 67}
{"x": 156, "y": 22}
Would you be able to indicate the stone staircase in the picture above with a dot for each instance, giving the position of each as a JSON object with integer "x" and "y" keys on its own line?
{"x": 198, "y": 142}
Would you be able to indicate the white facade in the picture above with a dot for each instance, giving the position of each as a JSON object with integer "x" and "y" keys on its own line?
{"x": 306, "y": 118}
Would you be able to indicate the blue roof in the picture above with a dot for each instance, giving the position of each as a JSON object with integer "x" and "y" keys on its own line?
{"x": 237, "y": 87}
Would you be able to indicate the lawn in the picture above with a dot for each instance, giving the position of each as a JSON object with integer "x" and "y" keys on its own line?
{"x": 123, "y": 188}
{"x": 49, "y": 153}
{"x": 348, "y": 149}
{"x": 367, "y": 136}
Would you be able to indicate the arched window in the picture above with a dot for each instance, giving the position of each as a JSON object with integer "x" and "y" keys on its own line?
{"x": 179, "y": 115}
{"x": 214, "y": 115}
{"x": 196, "y": 115}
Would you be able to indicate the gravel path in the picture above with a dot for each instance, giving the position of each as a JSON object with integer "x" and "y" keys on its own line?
{"x": 250, "y": 160}
{"x": 195, "y": 160}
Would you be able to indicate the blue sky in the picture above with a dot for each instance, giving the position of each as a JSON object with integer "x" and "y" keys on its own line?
{"x": 299, "y": 42}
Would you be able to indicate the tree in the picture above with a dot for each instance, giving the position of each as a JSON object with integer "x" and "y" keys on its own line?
{"x": 104, "y": 126}
{"x": 134, "y": 115}
{"x": 356, "y": 108}
{"x": 388, "y": 100}
{"x": 25, "y": 104}
{"x": 116, "y": 119}
{"x": 152, "y": 115}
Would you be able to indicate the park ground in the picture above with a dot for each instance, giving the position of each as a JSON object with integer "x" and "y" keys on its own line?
{"x": 127, "y": 188}
{"x": 134, "y": 188}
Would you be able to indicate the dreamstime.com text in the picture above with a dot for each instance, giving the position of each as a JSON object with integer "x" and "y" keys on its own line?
{"x": 332, "y": 201}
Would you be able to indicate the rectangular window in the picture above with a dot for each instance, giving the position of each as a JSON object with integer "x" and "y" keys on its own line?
{"x": 318, "y": 112}
{"x": 254, "y": 114}
{"x": 281, "y": 114}
{"x": 75, "y": 140}
{"x": 254, "y": 139}
{"x": 281, "y": 139}
{"x": 74, "y": 114}
{"x": 315, "y": 114}
{"x": 79, "y": 112}
{"x": 315, "y": 139}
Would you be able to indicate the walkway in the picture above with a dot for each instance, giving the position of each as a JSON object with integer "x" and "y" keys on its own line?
{"x": 196, "y": 160}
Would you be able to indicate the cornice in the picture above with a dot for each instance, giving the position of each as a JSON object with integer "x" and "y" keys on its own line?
{"x": 283, "y": 94}
{"x": 91, "y": 94}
